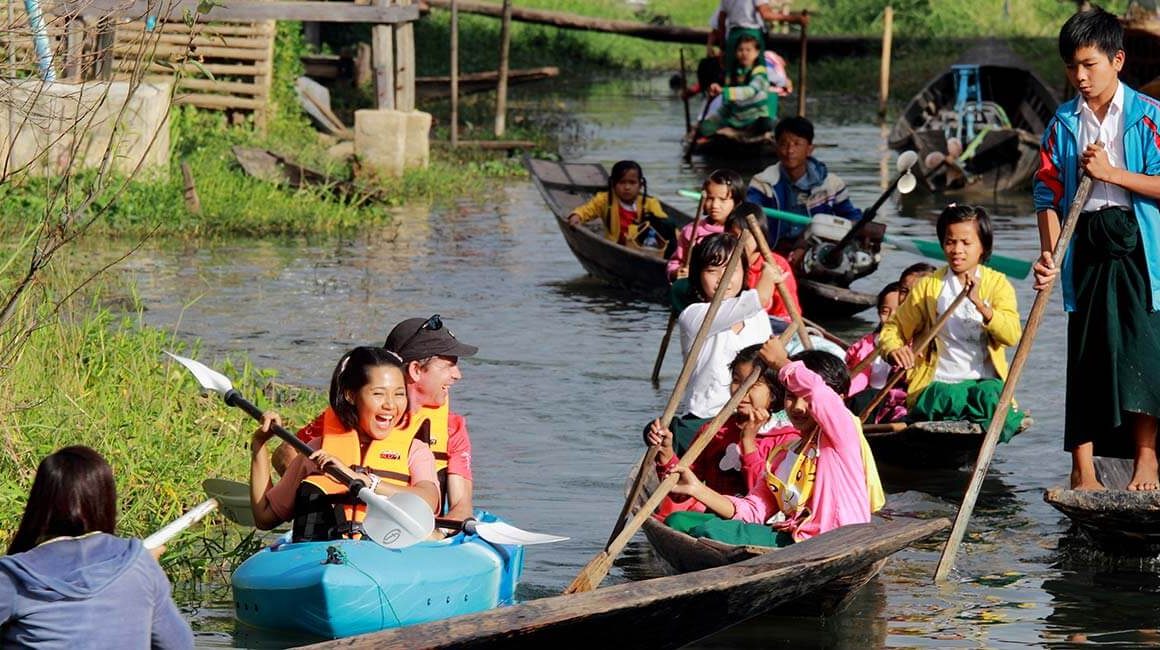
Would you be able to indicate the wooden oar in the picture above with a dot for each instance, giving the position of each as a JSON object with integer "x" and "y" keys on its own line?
{"x": 884, "y": 427}
{"x": 794, "y": 315}
{"x": 595, "y": 571}
{"x": 656, "y": 373}
{"x": 947, "y": 561}
{"x": 684, "y": 88}
{"x": 920, "y": 347}
{"x": 692, "y": 135}
{"x": 649, "y": 457}
{"x": 826, "y": 334}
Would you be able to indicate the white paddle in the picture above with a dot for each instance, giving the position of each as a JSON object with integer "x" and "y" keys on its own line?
{"x": 172, "y": 529}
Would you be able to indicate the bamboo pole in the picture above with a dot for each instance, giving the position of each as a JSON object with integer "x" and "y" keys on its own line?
{"x": 454, "y": 73}
{"x": 501, "y": 87}
{"x": 884, "y": 72}
{"x": 802, "y": 66}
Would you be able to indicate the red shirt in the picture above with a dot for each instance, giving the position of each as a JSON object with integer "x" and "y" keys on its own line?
{"x": 627, "y": 216}
{"x": 718, "y": 467}
{"x": 777, "y": 307}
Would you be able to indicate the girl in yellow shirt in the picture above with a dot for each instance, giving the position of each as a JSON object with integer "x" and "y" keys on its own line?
{"x": 626, "y": 208}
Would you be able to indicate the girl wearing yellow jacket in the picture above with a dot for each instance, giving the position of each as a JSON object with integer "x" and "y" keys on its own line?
{"x": 626, "y": 209}
{"x": 962, "y": 373}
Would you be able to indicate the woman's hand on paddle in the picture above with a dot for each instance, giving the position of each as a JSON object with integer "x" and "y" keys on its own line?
{"x": 773, "y": 353}
{"x": 687, "y": 482}
{"x": 903, "y": 358}
{"x": 265, "y": 429}
{"x": 660, "y": 436}
{"x": 1045, "y": 270}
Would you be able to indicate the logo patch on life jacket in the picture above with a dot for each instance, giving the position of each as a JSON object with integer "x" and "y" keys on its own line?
{"x": 433, "y": 440}
{"x": 389, "y": 455}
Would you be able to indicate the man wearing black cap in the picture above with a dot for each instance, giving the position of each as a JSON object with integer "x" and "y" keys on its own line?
{"x": 430, "y": 354}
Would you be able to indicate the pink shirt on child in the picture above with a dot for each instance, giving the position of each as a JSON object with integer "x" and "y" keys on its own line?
{"x": 683, "y": 248}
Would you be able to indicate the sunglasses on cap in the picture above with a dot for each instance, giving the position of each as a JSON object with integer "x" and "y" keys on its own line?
{"x": 433, "y": 324}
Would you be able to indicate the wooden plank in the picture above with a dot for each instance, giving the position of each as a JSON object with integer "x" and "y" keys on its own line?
{"x": 224, "y": 69}
{"x": 382, "y": 57}
{"x": 404, "y": 64}
{"x": 325, "y": 12}
{"x": 216, "y": 28}
{"x": 220, "y": 86}
{"x": 265, "y": 80}
{"x": 217, "y": 101}
{"x": 164, "y": 50}
{"x": 196, "y": 40}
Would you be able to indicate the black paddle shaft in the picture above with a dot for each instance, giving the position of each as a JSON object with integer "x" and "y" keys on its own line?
{"x": 234, "y": 398}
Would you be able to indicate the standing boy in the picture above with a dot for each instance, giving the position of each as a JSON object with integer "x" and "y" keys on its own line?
{"x": 1111, "y": 273}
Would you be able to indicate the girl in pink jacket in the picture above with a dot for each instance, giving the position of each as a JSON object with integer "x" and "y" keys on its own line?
{"x": 723, "y": 191}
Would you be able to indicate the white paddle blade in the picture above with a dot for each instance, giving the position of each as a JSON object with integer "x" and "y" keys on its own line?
{"x": 498, "y": 532}
{"x": 194, "y": 515}
{"x": 934, "y": 159}
{"x": 906, "y": 183}
{"x": 907, "y": 159}
{"x": 397, "y": 522}
{"x": 233, "y": 499}
{"x": 208, "y": 378}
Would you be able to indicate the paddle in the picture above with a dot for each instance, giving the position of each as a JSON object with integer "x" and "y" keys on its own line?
{"x": 656, "y": 373}
{"x": 692, "y": 135}
{"x": 1015, "y": 268}
{"x": 987, "y": 451}
{"x": 919, "y": 348}
{"x": 495, "y": 532}
{"x": 904, "y": 181}
{"x": 175, "y": 527}
{"x": 682, "y": 381}
{"x": 397, "y": 522}
{"x": 596, "y": 569}
{"x": 684, "y": 88}
{"x": 766, "y": 254}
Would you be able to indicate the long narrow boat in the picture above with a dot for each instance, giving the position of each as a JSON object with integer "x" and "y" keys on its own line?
{"x": 1118, "y": 521}
{"x": 931, "y": 445}
{"x": 739, "y": 148}
{"x": 665, "y": 612}
{"x": 566, "y": 186}
{"x": 997, "y": 113}
{"x": 347, "y": 587}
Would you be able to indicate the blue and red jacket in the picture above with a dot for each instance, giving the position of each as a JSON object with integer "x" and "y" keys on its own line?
{"x": 1058, "y": 177}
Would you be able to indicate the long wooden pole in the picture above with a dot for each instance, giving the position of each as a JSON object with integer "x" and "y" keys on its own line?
{"x": 884, "y": 72}
{"x": 802, "y": 66}
{"x": 794, "y": 315}
{"x": 947, "y": 561}
{"x": 646, "y": 462}
{"x": 656, "y": 372}
{"x": 684, "y": 97}
{"x": 454, "y": 73}
{"x": 501, "y": 86}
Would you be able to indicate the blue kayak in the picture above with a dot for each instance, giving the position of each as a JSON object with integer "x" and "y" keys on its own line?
{"x": 346, "y": 587}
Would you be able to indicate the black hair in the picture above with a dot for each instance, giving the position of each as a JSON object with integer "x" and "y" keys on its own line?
{"x": 830, "y": 368}
{"x": 796, "y": 125}
{"x": 730, "y": 179}
{"x": 1092, "y": 28}
{"x": 962, "y": 213}
{"x": 738, "y": 221}
{"x": 891, "y": 287}
{"x": 747, "y": 38}
{"x": 73, "y": 494}
{"x": 917, "y": 267}
{"x": 713, "y": 250}
{"x": 352, "y": 373}
{"x": 749, "y": 355}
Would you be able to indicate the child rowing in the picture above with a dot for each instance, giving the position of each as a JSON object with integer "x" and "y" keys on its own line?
{"x": 817, "y": 476}
{"x": 719, "y": 464}
{"x": 865, "y": 385}
{"x": 625, "y": 208}
{"x": 723, "y": 191}
{"x": 1111, "y": 273}
{"x": 961, "y": 375}
{"x": 736, "y": 225}
{"x": 366, "y": 428}
{"x": 744, "y": 99}
{"x": 741, "y": 321}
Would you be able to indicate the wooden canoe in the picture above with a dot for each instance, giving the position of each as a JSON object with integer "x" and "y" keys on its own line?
{"x": 1005, "y": 158}
{"x": 931, "y": 445}
{"x": 664, "y": 612}
{"x": 732, "y": 146}
{"x": 1117, "y": 520}
{"x": 565, "y": 186}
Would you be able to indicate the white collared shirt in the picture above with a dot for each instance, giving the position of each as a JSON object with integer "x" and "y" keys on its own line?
{"x": 962, "y": 342}
{"x": 1111, "y": 133}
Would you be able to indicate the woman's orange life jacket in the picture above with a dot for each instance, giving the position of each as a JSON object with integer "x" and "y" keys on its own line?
{"x": 429, "y": 424}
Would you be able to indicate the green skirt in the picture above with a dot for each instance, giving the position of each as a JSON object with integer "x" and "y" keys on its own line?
{"x": 730, "y": 531}
{"x": 685, "y": 430}
{"x": 972, "y": 400}
{"x": 1113, "y": 340}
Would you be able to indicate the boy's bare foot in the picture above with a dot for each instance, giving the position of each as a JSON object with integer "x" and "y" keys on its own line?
{"x": 1083, "y": 469}
{"x": 1084, "y": 481}
{"x": 1146, "y": 475}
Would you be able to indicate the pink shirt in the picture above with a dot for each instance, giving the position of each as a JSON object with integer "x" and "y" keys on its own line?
{"x": 458, "y": 446}
{"x": 420, "y": 464}
{"x": 683, "y": 246}
{"x": 839, "y": 495}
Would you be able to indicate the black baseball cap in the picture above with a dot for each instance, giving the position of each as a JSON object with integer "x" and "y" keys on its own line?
{"x": 419, "y": 338}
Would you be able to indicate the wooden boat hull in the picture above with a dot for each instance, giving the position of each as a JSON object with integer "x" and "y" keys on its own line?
{"x": 931, "y": 445}
{"x": 1118, "y": 521}
{"x": 735, "y": 146}
{"x": 1008, "y": 157}
{"x": 565, "y": 186}
{"x": 664, "y": 612}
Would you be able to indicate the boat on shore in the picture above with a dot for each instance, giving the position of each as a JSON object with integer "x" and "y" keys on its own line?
{"x": 1118, "y": 521}
{"x": 986, "y": 121}
{"x": 929, "y": 445}
{"x": 566, "y": 186}
{"x": 670, "y": 611}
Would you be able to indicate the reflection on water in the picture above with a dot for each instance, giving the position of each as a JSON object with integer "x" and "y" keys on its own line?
{"x": 559, "y": 392}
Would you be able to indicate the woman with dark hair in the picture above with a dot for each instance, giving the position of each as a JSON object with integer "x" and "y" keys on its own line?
{"x": 67, "y": 577}
{"x": 366, "y": 428}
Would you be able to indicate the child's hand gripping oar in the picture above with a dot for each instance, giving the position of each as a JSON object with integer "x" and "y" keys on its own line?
{"x": 920, "y": 346}
{"x": 595, "y": 571}
{"x": 766, "y": 254}
{"x": 650, "y": 455}
{"x": 947, "y": 561}
{"x": 656, "y": 373}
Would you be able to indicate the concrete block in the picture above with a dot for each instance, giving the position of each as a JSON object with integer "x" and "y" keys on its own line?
{"x": 380, "y": 141}
{"x": 418, "y": 154}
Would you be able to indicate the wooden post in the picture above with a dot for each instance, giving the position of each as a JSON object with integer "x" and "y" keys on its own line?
{"x": 454, "y": 73}
{"x": 106, "y": 33}
{"x": 404, "y": 64}
{"x": 802, "y": 67}
{"x": 75, "y": 44}
{"x": 884, "y": 72}
{"x": 383, "y": 58}
{"x": 505, "y": 37}
{"x": 192, "y": 202}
